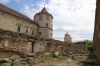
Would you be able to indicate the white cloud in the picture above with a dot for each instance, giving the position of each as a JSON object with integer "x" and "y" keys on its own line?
{"x": 76, "y": 16}
{"x": 4, "y": 1}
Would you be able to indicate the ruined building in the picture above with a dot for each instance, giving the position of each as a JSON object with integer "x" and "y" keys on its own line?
{"x": 21, "y": 35}
{"x": 96, "y": 38}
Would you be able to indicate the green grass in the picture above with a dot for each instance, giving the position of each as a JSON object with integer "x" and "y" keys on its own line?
{"x": 0, "y": 64}
{"x": 46, "y": 60}
{"x": 50, "y": 59}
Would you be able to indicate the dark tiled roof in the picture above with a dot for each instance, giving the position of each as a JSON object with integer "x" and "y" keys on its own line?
{"x": 13, "y": 12}
{"x": 44, "y": 10}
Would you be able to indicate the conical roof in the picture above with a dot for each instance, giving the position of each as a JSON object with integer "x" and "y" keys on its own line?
{"x": 44, "y": 10}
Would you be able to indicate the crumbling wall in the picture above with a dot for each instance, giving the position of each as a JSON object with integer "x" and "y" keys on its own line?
{"x": 39, "y": 46}
{"x": 21, "y": 44}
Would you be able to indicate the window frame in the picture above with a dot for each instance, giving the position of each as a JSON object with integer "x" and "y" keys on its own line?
{"x": 46, "y": 24}
{"x": 47, "y": 17}
{"x": 26, "y": 30}
{"x": 40, "y": 17}
{"x": 18, "y": 28}
{"x": 32, "y": 32}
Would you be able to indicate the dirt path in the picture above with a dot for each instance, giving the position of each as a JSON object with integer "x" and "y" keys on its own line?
{"x": 63, "y": 63}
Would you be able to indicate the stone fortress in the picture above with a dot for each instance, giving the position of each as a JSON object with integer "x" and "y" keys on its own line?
{"x": 20, "y": 35}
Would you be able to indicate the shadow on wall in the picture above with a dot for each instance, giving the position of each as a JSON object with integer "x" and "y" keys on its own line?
{"x": 91, "y": 59}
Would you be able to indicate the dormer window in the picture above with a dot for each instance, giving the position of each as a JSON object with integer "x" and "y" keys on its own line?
{"x": 40, "y": 17}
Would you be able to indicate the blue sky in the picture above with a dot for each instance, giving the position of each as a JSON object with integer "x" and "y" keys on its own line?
{"x": 75, "y": 16}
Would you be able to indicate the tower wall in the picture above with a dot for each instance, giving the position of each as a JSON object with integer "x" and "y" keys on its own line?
{"x": 45, "y": 25}
{"x": 68, "y": 39}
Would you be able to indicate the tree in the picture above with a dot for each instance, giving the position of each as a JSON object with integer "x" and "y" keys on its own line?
{"x": 89, "y": 43}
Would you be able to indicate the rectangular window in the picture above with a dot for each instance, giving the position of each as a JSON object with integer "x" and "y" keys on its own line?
{"x": 26, "y": 31}
{"x": 46, "y": 24}
{"x": 18, "y": 28}
{"x": 39, "y": 33}
{"x": 33, "y": 32}
{"x": 47, "y": 17}
{"x": 40, "y": 17}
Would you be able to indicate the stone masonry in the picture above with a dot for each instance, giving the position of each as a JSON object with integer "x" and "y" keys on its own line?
{"x": 21, "y": 44}
{"x": 96, "y": 38}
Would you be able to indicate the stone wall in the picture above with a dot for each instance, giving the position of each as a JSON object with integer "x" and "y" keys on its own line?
{"x": 10, "y": 22}
{"x": 46, "y": 31}
{"x": 78, "y": 47}
{"x": 96, "y": 38}
{"x": 21, "y": 44}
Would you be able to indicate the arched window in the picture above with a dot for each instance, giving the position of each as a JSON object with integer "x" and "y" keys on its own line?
{"x": 18, "y": 27}
{"x": 40, "y": 17}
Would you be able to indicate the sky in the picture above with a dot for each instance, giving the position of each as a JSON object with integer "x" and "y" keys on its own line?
{"x": 75, "y": 16}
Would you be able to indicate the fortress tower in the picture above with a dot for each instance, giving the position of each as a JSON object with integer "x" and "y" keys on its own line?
{"x": 67, "y": 38}
{"x": 44, "y": 19}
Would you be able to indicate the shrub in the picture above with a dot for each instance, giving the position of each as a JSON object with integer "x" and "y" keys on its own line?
{"x": 3, "y": 61}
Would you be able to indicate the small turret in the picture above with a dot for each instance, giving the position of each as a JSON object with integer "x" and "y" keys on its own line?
{"x": 67, "y": 38}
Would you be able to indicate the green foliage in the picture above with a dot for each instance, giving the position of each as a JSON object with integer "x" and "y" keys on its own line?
{"x": 51, "y": 65}
{"x": 3, "y": 61}
{"x": 89, "y": 43}
{"x": 27, "y": 64}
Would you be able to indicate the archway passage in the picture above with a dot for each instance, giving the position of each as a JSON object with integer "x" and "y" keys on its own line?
{"x": 49, "y": 47}
{"x": 30, "y": 47}
{"x": 61, "y": 49}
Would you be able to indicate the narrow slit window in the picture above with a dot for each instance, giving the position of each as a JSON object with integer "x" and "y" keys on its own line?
{"x": 46, "y": 24}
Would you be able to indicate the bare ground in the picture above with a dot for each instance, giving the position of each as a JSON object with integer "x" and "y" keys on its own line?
{"x": 63, "y": 63}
